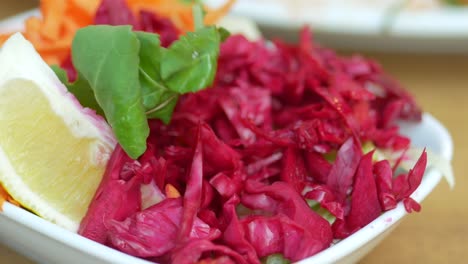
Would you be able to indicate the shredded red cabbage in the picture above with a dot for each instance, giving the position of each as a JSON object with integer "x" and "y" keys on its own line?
{"x": 281, "y": 129}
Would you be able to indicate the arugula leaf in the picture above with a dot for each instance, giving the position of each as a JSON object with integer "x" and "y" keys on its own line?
{"x": 223, "y": 33}
{"x": 80, "y": 89}
{"x": 158, "y": 100}
{"x": 198, "y": 16}
{"x": 107, "y": 57}
{"x": 128, "y": 76}
{"x": 189, "y": 64}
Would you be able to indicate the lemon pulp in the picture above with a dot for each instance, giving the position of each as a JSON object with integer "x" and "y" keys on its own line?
{"x": 56, "y": 172}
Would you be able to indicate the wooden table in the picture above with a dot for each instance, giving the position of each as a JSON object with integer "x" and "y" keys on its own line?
{"x": 439, "y": 234}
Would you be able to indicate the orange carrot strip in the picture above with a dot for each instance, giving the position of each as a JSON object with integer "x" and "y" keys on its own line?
{"x": 212, "y": 16}
{"x": 171, "y": 191}
{"x": 32, "y": 30}
{"x": 187, "y": 21}
{"x": 5, "y": 197}
{"x": 13, "y": 201}
{"x": 53, "y": 12}
{"x": 53, "y": 34}
{"x": 86, "y": 8}
{"x": 179, "y": 13}
{"x": 4, "y": 38}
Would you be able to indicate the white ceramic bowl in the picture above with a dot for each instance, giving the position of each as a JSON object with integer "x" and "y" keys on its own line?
{"x": 45, "y": 242}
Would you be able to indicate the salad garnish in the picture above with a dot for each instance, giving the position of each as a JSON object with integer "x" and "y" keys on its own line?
{"x": 129, "y": 76}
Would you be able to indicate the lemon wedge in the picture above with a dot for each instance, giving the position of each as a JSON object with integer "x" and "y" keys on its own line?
{"x": 53, "y": 152}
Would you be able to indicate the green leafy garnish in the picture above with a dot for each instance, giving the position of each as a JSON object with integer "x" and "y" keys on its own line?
{"x": 324, "y": 213}
{"x": 108, "y": 58}
{"x": 275, "y": 259}
{"x": 193, "y": 61}
{"x": 129, "y": 77}
{"x": 198, "y": 15}
{"x": 159, "y": 100}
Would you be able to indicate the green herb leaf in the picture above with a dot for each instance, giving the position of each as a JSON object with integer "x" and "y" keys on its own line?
{"x": 189, "y": 64}
{"x": 108, "y": 58}
{"x": 158, "y": 100}
{"x": 314, "y": 205}
{"x": 129, "y": 77}
{"x": 223, "y": 33}
{"x": 198, "y": 16}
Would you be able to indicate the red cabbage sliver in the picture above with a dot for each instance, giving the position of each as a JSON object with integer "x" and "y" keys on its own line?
{"x": 115, "y": 199}
{"x": 383, "y": 173}
{"x": 114, "y": 12}
{"x": 342, "y": 172}
{"x": 285, "y": 200}
{"x": 365, "y": 205}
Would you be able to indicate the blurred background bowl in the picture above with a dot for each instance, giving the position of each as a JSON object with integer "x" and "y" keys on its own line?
{"x": 384, "y": 25}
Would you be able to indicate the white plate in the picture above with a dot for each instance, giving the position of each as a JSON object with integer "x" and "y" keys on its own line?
{"x": 361, "y": 24}
{"x": 45, "y": 242}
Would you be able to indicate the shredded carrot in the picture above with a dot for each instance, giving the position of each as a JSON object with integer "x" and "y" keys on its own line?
{"x": 52, "y": 11}
{"x": 212, "y": 16}
{"x": 3, "y": 38}
{"x": 85, "y": 9}
{"x": 52, "y": 34}
{"x": 5, "y": 197}
{"x": 171, "y": 191}
{"x": 13, "y": 201}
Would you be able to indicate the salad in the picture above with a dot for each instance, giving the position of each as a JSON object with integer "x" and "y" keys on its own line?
{"x": 227, "y": 150}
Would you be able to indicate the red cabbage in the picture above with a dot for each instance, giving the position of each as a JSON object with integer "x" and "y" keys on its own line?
{"x": 365, "y": 205}
{"x": 193, "y": 193}
{"x": 234, "y": 234}
{"x": 152, "y": 232}
{"x": 342, "y": 172}
{"x": 115, "y": 198}
{"x": 193, "y": 251}
{"x": 383, "y": 174}
{"x": 283, "y": 199}
{"x": 114, "y": 12}
{"x": 151, "y": 22}
{"x": 239, "y": 162}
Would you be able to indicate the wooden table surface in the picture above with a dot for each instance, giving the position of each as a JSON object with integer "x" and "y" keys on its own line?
{"x": 439, "y": 234}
